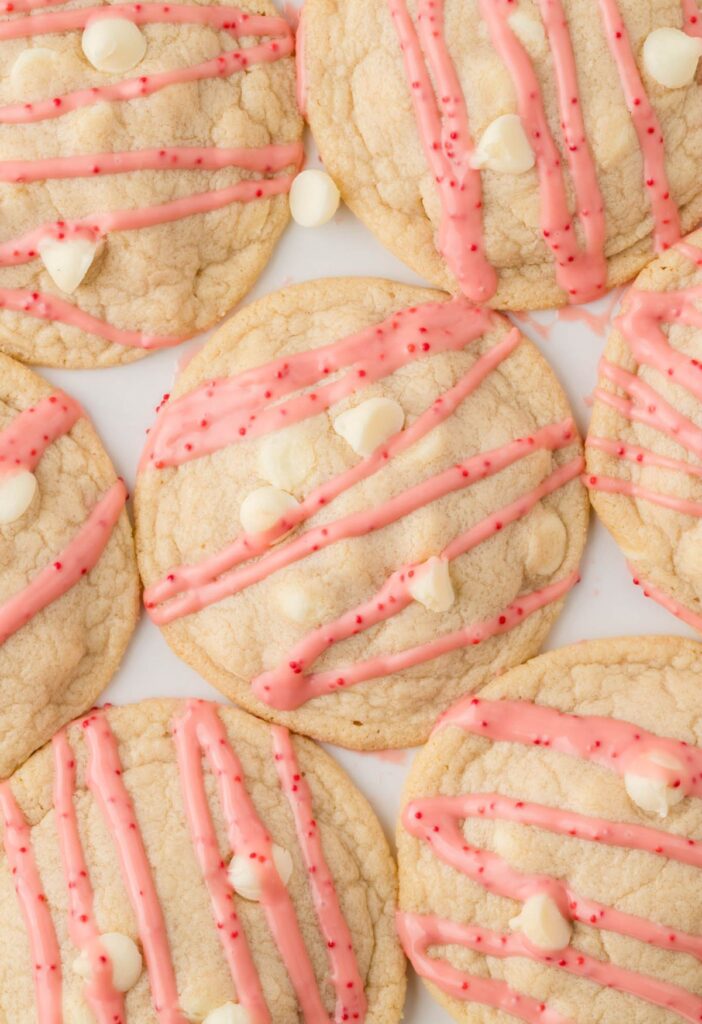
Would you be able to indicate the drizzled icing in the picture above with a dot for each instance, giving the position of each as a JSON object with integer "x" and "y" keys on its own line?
{"x": 265, "y": 398}
{"x": 444, "y": 131}
{"x": 612, "y": 744}
{"x": 642, "y": 326}
{"x": 264, "y": 160}
{"x": 197, "y": 731}
{"x": 22, "y": 444}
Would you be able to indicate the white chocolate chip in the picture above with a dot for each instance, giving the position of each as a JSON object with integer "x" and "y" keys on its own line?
{"x": 529, "y": 31}
{"x": 32, "y": 72}
{"x": 314, "y": 198}
{"x": 650, "y": 794}
{"x": 243, "y": 874}
{"x": 124, "y": 956}
{"x": 369, "y": 424}
{"x": 547, "y": 544}
{"x": 542, "y": 923}
{"x": 67, "y": 262}
{"x": 671, "y": 57}
{"x": 285, "y": 459}
{"x": 230, "y": 1013}
{"x": 296, "y": 601}
{"x": 113, "y": 44}
{"x": 431, "y": 585}
{"x": 17, "y": 492}
{"x": 263, "y": 508}
{"x": 504, "y": 147}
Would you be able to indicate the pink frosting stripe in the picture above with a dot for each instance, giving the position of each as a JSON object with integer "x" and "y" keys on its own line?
{"x": 642, "y": 456}
{"x": 224, "y": 411}
{"x": 146, "y": 85}
{"x": 613, "y": 485}
{"x": 351, "y": 1002}
{"x": 670, "y": 997}
{"x": 106, "y": 1003}
{"x": 104, "y": 779}
{"x": 287, "y": 686}
{"x": 44, "y": 947}
{"x": 668, "y": 602}
{"x": 249, "y": 838}
{"x": 230, "y": 19}
{"x": 693, "y": 18}
{"x": 214, "y": 870}
{"x": 32, "y": 431}
{"x": 448, "y": 147}
{"x": 418, "y": 932}
{"x": 76, "y": 560}
{"x": 264, "y": 159}
{"x": 647, "y": 125}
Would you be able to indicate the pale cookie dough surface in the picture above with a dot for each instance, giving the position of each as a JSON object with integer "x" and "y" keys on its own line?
{"x": 354, "y": 846}
{"x": 172, "y": 279}
{"x": 653, "y": 682}
{"x": 663, "y": 546}
{"x": 373, "y": 150}
{"x": 233, "y": 641}
{"x": 55, "y": 666}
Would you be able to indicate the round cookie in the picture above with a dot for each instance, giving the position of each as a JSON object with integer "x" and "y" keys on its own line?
{"x": 69, "y": 587}
{"x": 644, "y": 447}
{"x": 550, "y": 841}
{"x": 360, "y": 501}
{"x": 143, "y": 190}
{"x": 148, "y": 823}
{"x": 503, "y": 160}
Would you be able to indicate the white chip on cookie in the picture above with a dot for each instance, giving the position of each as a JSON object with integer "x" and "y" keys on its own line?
{"x": 243, "y": 872}
{"x": 370, "y": 424}
{"x": 17, "y": 492}
{"x": 123, "y": 953}
{"x": 504, "y": 147}
{"x": 671, "y": 57}
{"x": 314, "y": 198}
{"x": 528, "y": 30}
{"x": 653, "y": 795}
{"x": 230, "y": 1013}
{"x": 32, "y": 71}
{"x": 547, "y": 544}
{"x": 542, "y": 923}
{"x": 295, "y": 601}
{"x": 285, "y": 459}
{"x": 431, "y": 585}
{"x": 113, "y": 44}
{"x": 67, "y": 261}
{"x": 263, "y": 508}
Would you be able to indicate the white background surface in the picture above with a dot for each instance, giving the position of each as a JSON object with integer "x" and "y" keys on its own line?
{"x": 121, "y": 403}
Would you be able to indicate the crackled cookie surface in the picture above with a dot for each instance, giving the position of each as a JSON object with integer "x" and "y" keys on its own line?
{"x": 549, "y": 843}
{"x": 644, "y": 448}
{"x": 360, "y": 500}
{"x": 69, "y": 588}
{"x": 526, "y": 152}
{"x": 147, "y": 152}
{"x": 176, "y": 862}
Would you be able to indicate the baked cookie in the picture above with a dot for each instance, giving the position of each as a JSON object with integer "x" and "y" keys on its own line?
{"x": 644, "y": 448}
{"x": 526, "y": 152}
{"x": 361, "y": 500}
{"x": 69, "y": 587}
{"x": 176, "y": 862}
{"x": 550, "y": 842}
{"x": 146, "y": 155}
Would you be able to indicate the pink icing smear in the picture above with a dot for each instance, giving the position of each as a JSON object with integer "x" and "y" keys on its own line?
{"x": 443, "y": 126}
{"x": 27, "y": 437}
{"x": 612, "y": 744}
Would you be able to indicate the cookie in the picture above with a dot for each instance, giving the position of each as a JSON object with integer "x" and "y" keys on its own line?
{"x": 528, "y": 153}
{"x": 360, "y": 501}
{"x": 644, "y": 447}
{"x": 69, "y": 587}
{"x": 147, "y": 152}
{"x": 549, "y": 843}
{"x": 175, "y": 862}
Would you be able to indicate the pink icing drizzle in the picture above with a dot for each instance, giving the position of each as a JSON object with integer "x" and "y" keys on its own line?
{"x": 25, "y": 440}
{"x": 45, "y": 952}
{"x": 249, "y": 838}
{"x": 613, "y": 744}
{"x": 106, "y": 1003}
{"x": 666, "y": 601}
{"x": 350, "y": 996}
{"x": 70, "y": 565}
